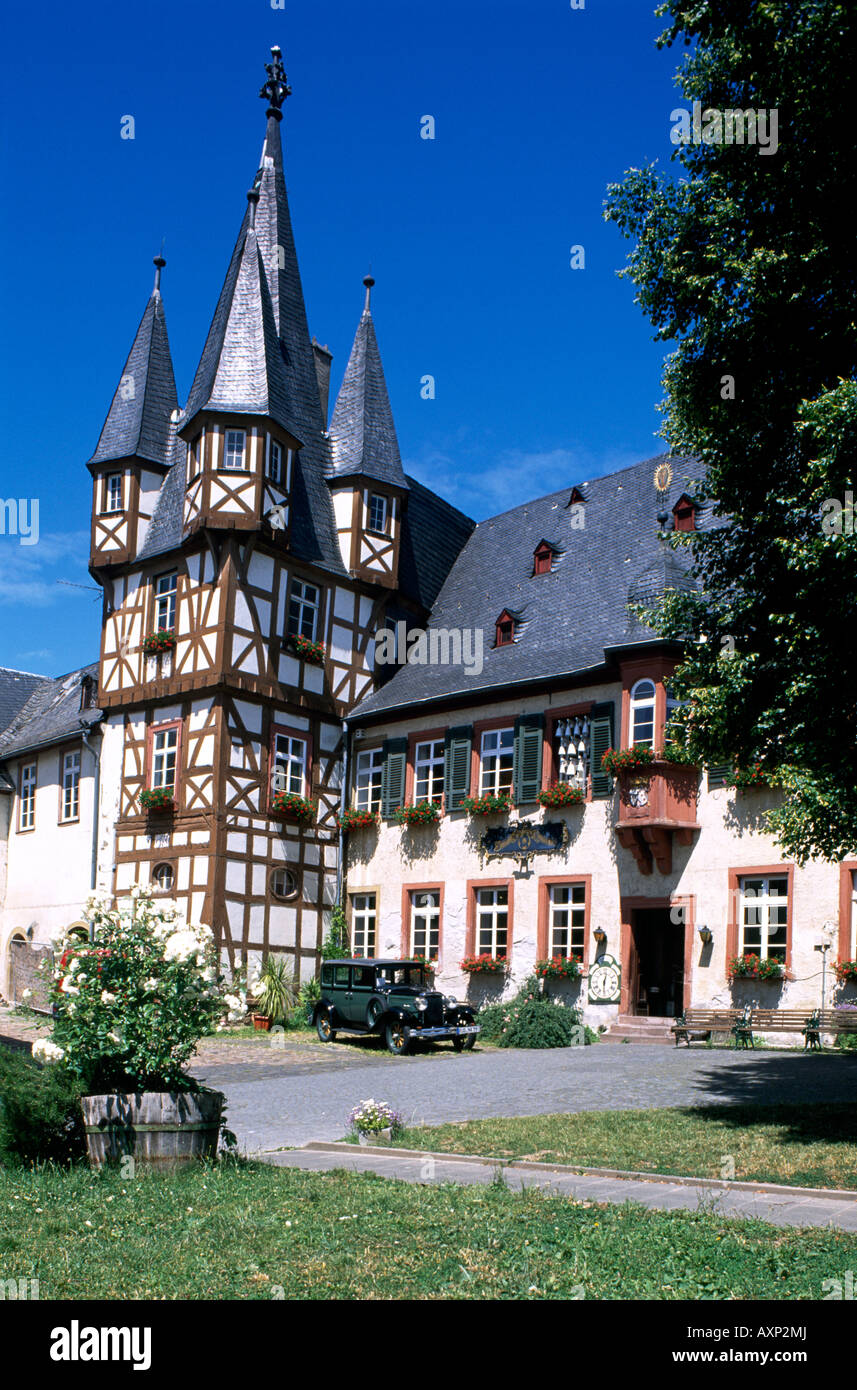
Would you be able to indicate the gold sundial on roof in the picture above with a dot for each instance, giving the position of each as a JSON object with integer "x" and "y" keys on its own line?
{"x": 663, "y": 477}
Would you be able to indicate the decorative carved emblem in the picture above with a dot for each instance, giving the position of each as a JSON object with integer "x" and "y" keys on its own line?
{"x": 605, "y": 980}
{"x": 523, "y": 841}
{"x": 638, "y": 792}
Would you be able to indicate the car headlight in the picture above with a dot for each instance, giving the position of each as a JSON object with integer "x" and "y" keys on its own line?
{"x": 421, "y": 1003}
{"x": 452, "y": 1001}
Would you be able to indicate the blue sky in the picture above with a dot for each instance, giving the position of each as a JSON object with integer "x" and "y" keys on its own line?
{"x": 545, "y": 375}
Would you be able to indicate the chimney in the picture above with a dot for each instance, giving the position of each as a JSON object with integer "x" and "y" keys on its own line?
{"x": 322, "y": 357}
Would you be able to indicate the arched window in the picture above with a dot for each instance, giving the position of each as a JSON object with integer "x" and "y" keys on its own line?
{"x": 163, "y": 878}
{"x": 642, "y": 722}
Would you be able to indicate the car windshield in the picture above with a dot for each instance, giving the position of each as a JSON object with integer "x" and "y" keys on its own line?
{"x": 412, "y": 975}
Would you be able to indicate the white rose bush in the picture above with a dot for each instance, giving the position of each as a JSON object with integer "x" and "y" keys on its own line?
{"x": 131, "y": 1005}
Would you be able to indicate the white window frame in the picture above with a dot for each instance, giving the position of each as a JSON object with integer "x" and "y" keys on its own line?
{"x": 275, "y": 450}
{"x": 489, "y": 910}
{"x": 364, "y": 924}
{"x": 300, "y": 605}
{"x": 290, "y": 757}
{"x": 639, "y": 704}
{"x": 166, "y": 594}
{"x": 165, "y": 750}
{"x": 751, "y": 900}
{"x": 231, "y": 452}
{"x": 573, "y": 909}
{"x": 493, "y": 751}
{"x": 428, "y": 770}
{"x": 114, "y": 482}
{"x": 368, "y": 779}
{"x": 27, "y": 796}
{"x": 372, "y": 525}
{"x": 424, "y": 905}
{"x": 70, "y": 795}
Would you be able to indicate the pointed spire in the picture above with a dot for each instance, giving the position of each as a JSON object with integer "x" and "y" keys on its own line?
{"x": 138, "y": 421}
{"x": 363, "y": 435}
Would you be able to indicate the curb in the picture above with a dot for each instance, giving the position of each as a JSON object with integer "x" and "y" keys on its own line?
{"x": 832, "y": 1194}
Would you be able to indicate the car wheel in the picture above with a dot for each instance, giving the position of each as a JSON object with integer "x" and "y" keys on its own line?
{"x": 464, "y": 1044}
{"x": 323, "y": 1028}
{"x": 398, "y": 1037}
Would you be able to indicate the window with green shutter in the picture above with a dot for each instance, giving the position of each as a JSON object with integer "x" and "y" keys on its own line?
{"x": 456, "y": 766}
{"x": 600, "y": 739}
{"x": 527, "y": 765}
{"x": 393, "y": 777}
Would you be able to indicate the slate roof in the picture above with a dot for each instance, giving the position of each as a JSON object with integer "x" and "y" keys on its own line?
{"x": 51, "y": 714}
{"x": 16, "y": 687}
{"x": 569, "y": 616}
{"x": 433, "y": 534}
{"x": 138, "y": 421}
{"x": 362, "y": 432}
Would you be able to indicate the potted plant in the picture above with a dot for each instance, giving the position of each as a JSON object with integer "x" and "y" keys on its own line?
{"x": 375, "y": 1121}
{"x": 291, "y": 806}
{"x": 485, "y": 964}
{"x": 845, "y": 971}
{"x": 488, "y": 804}
{"x": 311, "y": 652}
{"x": 274, "y": 993}
{"x": 633, "y": 759}
{"x": 353, "y": 819}
{"x": 755, "y": 968}
{"x": 129, "y": 1008}
{"x": 423, "y": 813}
{"x": 561, "y": 794}
{"x": 559, "y": 968}
{"x": 158, "y": 642}
{"x": 309, "y": 998}
{"x": 748, "y": 777}
{"x": 157, "y": 799}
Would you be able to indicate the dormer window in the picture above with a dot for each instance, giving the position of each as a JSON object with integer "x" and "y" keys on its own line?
{"x": 542, "y": 558}
{"x": 505, "y": 634}
{"x": 113, "y": 492}
{"x": 684, "y": 515}
{"x": 234, "y": 450}
{"x": 377, "y": 512}
{"x": 576, "y": 498}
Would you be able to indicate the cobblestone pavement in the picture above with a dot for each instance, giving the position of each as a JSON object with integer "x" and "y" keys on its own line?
{"x": 780, "y": 1209}
{"x": 273, "y": 1106}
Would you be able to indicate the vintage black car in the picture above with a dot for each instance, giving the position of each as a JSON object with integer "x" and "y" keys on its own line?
{"x": 392, "y": 998}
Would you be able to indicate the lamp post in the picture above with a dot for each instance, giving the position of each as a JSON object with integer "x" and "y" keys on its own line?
{"x": 824, "y": 946}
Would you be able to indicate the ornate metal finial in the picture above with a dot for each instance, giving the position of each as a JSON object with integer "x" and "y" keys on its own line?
{"x": 277, "y": 88}
{"x": 159, "y": 264}
{"x": 368, "y": 282}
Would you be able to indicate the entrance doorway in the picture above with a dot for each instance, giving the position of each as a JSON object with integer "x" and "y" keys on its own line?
{"x": 656, "y": 964}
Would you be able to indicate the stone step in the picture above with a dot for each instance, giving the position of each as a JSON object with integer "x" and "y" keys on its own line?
{"x": 640, "y": 1028}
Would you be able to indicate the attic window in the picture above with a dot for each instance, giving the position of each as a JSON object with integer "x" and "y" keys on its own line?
{"x": 542, "y": 558}
{"x": 684, "y": 515}
{"x": 505, "y": 634}
{"x": 576, "y": 498}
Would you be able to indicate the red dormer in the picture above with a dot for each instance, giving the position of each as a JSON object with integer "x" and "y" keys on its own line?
{"x": 543, "y": 558}
{"x": 575, "y": 498}
{"x": 684, "y": 514}
{"x": 505, "y": 633}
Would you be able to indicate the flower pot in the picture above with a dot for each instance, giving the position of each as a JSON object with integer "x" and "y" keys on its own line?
{"x": 158, "y": 1129}
{"x": 377, "y": 1137}
{"x": 261, "y": 1023}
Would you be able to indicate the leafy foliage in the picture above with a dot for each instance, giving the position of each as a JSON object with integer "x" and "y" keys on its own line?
{"x": 275, "y": 993}
{"x": 40, "y": 1115}
{"x": 744, "y": 260}
{"x": 335, "y": 944}
{"x": 529, "y": 1020}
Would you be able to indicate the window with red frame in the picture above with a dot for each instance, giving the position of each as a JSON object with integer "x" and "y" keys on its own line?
{"x": 684, "y": 515}
{"x": 542, "y": 559}
{"x": 505, "y": 634}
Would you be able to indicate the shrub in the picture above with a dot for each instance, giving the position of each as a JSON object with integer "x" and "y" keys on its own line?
{"x": 529, "y": 1020}
{"x": 308, "y": 997}
{"x": 275, "y": 993}
{"x": 40, "y": 1115}
{"x": 335, "y": 944}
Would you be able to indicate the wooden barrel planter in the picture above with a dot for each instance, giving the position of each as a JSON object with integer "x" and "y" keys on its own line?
{"x": 158, "y": 1129}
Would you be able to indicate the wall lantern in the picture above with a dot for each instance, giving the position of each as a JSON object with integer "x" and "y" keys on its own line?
{"x": 600, "y": 935}
{"x": 706, "y": 935}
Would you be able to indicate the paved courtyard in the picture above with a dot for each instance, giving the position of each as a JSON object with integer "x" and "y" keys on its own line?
{"x": 281, "y": 1097}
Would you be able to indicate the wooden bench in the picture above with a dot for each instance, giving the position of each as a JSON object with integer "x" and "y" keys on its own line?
{"x": 698, "y": 1025}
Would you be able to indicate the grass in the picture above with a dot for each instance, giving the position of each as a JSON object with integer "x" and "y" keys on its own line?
{"x": 246, "y": 1231}
{"x": 802, "y": 1145}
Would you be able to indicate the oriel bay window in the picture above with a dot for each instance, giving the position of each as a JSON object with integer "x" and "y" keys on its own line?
{"x": 422, "y": 913}
{"x": 113, "y": 492}
{"x": 642, "y": 719}
{"x": 364, "y": 917}
{"x": 70, "y": 787}
{"x": 234, "y": 449}
{"x": 163, "y": 761}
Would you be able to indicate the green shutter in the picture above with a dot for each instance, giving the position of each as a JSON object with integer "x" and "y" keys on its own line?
{"x": 719, "y": 774}
{"x": 527, "y": 763}
{"x": 393, "y": 775}
{"x": 457, "y": 747}
{"x": 600, "y": 739}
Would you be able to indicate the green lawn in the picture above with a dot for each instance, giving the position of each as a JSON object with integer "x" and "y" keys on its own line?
{"x": 805, "y": 1145}
{"x": 255, "y": 1232}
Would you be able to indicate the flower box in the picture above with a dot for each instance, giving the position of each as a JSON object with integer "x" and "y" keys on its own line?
{"x": 311, "y": 652}
{"x": 484, "y": 965}
{"x": 561, "y": 794}
{"x": 157, "y": 799}
{"x": 290, "y": 806}
{"x": 559, "y": 968}
{"x": 356, "y": 820}
{"x": 755, "y": 968}
{"x": 845, "y": 971}
{"x": 423, "y": 813}
{"x": 487, "y": 805}
{"x": 158, "y": 642}
{"x": 748, "y": 777}
{"x": 633, "y": 759}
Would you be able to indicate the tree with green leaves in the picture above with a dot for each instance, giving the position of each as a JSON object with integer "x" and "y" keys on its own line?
{"x": 744, "y": 257}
